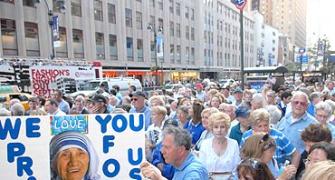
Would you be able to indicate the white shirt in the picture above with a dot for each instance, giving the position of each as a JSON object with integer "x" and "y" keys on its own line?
{"x": 227, "y": 162}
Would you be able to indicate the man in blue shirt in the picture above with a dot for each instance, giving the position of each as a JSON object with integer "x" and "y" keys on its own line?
{"x": 176, "y": 151}
{"x": 138, "y": 102}
{"x": 296, "y": 121}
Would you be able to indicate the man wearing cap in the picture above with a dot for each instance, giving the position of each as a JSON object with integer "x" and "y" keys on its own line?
{"x": 138, "y": 106}
{"x": 200, "y": 94}
{"x": 99, "y": 105}
{"x": 238, "y": 95}
{"x": 242, "y": 115}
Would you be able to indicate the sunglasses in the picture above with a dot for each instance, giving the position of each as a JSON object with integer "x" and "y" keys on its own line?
{"x": 298, "y": 102}
{"x": 134, "y": 99}
{"x": 268, "y": 144}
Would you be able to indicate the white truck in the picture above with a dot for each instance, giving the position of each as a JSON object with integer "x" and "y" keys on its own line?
{"x": 92, "y": 86}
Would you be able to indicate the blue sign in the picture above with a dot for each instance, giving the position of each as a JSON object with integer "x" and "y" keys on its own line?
{"x": 302, "y": 59}
{"x": 77, "y": 123}
{"x": 239, "y": 3}
{"x": 55, "y": 27}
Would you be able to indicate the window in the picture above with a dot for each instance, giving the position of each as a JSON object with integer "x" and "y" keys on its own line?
{"x": 152, "y": 3}
{"x": 192, "y": 55}
{"x": 178, "y": 54}
{"x": 187, "y": 32}
{"x": 171, "y": 6}
{"x": 8, "y": 37}
{"x": 160, "y": 24}
{"x": 192, "y": 14}
{"x": 100, "y": 45}
{"x": 153, "y": 51}
{"x": 129, "y": 18}
{"x": 113, "y": 47}
{"x": 178, "y": 29}
{"x": 152, "y": 22}
{"x": 171, "y": 53}
{"x": 140, "y": 50}
{"x": 139, "y": 20}
{"x": 7, "y": 1}
{"x": 187, "y": 9}
{"x": 160, "y": 4}
{"x": 171, "y": 28}
{"x": 61, "y": 50}
{"x": 76, "y": 8}
{"x": 178, "y": 9}
{"x": 130, "y": 53}
{"x": 187, "y": 55}
{"x": 78, "y": 43}
{"x": 111, "y": 13}
{"x": 31, "y": 40}
{"x": 98, "y": 14}
{"x": 29, "y": 3}
{"x": 192, "y": 34}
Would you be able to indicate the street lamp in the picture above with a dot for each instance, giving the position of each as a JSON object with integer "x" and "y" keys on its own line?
{"x": 152, "y": 29}
{"x": 60, "y": 4}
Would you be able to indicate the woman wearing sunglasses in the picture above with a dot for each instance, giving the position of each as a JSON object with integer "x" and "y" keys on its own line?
{"x": 261, "y": 146}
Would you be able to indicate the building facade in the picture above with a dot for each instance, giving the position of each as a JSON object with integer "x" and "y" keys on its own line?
{"x": 198, "y": 35}
{"x": 289, "y": 17}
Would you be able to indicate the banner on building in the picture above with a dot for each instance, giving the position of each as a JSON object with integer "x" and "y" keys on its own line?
{"x": 91, "y": 146}
{"x": 159, "y": 46}
{"x": 43, "y": 78}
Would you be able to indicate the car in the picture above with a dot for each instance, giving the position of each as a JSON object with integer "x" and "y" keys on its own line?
{"x": 173, "y": 87}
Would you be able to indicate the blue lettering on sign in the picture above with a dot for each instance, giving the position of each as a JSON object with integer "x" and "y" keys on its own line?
{"x": 119, "y": 122}
{"x": 131, "y": 156}
{"x": 106, "y": 170}
{"x": 16, "y": 150}
{"x": 108, "y": 142}
{"x": 135, "y": 173}
{"x": 8, "y": 128}
{"x": 77, "y": 123}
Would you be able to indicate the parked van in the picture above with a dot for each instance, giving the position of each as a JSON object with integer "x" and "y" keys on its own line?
{"x": 123, "y": 82}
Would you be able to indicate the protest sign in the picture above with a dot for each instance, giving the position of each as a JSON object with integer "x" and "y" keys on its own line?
{"x": 103, "y": 146}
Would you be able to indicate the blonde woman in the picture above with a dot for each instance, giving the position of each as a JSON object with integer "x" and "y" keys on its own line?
{"x": 219, "y": 153}
{"x": 323, "y": 170}
{"x": 205, "y": 114}
{"x": 158, "y": 117}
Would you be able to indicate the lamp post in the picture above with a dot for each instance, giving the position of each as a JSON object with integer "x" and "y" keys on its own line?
{"x": 53, "y": 22}
{"x": 240, "y": 4}
{"x": 152, "y": 29}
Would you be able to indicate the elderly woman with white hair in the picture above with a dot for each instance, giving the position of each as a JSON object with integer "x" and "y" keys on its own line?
{"x": 275, "y": 114}
{"x": 258, "y": 101}
{"x": 72, "y": 157}
{"x": 323, "y": 112}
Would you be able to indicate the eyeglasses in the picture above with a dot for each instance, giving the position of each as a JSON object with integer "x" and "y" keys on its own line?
{"x": 134, "y": 99}
{"x": 299, "y": 102}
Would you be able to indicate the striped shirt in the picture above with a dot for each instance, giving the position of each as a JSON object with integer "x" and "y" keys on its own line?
{"x": 284, "y": 148}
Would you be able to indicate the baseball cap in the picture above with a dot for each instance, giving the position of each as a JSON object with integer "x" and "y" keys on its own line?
{"x": 238, "y": 90}
{"x": 99, "y": 98}
{"x": 139, "y": 93}
{"x": 242, "y": 111}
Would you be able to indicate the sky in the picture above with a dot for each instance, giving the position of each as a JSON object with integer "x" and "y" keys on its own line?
{"x": 320, "y": 21}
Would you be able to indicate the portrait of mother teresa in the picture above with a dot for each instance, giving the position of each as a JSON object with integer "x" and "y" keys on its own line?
{"x": 72, "y": 157}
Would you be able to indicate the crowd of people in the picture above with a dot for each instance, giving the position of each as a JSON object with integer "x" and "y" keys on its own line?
{"x": 219, "y": 132}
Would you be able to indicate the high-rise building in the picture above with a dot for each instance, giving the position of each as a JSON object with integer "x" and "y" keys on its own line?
{"x": 197, "y": 35}
{"x": 289, "y": 17}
